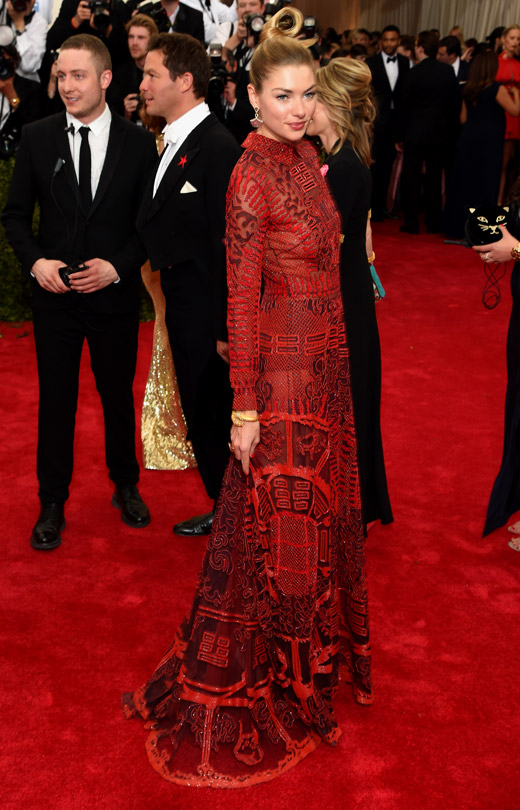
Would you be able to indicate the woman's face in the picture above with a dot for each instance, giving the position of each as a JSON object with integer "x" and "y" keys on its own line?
{"x": 286, "y": 102}
{"x": 511, "y": 41}
{"x": 321, "y": 124}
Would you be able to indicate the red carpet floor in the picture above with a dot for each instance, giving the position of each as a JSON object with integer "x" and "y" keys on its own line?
{"x": 90, "y": 620}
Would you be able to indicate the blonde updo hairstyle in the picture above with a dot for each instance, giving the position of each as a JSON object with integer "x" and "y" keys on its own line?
{"x": 279, "y": 47}
{"x": 344, "y": 86}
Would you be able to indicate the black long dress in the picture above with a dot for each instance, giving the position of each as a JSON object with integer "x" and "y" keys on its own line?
{"x": 505, "y": 496}
{"x": 478, "y": 164}
{"x": 351, "y": 183}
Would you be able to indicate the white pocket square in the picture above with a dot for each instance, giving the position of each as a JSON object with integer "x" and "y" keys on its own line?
{"x": 188, "y": 188}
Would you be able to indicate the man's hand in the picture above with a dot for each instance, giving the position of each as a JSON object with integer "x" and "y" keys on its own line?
{"x": 230, "y": 92}
{"x": 131, "y": 102}
{"x": 98, "y": 274}
{"x": 45, "y": 271}
{"x": 83, "y": 14}
{"x": 17, "y": 17}
{"x": 223, "y": 350}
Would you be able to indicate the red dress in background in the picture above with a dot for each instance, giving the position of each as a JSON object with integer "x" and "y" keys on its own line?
{"x": 246, "y": 689}
{"x": 509, "y": 75}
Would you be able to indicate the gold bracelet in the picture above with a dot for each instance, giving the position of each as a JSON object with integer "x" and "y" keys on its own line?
{"x": 515, "y": 252}
{"x": 238, "y": 418}
{"x": 372, "y": 258}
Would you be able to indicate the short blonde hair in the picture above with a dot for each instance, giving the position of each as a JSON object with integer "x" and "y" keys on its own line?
{"x": 344, "y": 86}
{"x": 279, "y": 47}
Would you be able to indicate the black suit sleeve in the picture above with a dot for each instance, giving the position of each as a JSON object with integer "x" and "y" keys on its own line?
{"x": 133, "y": 253}
{"x": 17, "y": 215}
{"x": 220, "y": 169}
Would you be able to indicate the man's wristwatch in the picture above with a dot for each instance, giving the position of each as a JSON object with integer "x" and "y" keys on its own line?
{"x": 515, "y": 253}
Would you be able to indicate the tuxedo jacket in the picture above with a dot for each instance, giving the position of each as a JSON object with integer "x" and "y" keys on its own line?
{"x": 383, "y": 92}
{"x": 44, "y": 173}
{"x": 189, "y": 21}
{"x": 183, "y": 226}
{"x": 462, "y": 75}
{"x": 431, "y": 104}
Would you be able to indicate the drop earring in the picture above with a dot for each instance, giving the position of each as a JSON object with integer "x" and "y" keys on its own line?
{"x": 256, "y": 121}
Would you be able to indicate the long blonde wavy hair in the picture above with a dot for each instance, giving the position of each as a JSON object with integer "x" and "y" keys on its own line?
{"x": 344, "y": 86}
{"x": 279, "y": 47}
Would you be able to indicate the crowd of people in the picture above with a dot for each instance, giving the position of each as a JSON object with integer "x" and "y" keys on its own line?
{"x": 256, "y": 216}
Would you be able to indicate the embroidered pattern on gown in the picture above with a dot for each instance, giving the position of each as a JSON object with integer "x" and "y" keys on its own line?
{"x": 280, "y": 614}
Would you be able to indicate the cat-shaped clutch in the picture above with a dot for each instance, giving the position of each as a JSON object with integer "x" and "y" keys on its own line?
{"x": 484, "y": 224}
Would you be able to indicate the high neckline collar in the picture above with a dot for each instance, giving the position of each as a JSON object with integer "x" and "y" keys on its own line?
{"x": 283, "y": 152}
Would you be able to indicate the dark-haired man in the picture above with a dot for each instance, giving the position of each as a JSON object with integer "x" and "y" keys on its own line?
{"x": 87, "y": 170}
{"x": 431, "y": 101}
{"x": 388, "y": 70}
{"x": 450, "y": 52}
{"x": 182, "y": 223}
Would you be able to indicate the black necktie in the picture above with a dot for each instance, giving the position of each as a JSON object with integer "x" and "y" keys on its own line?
{"x": 391, "y": 59}
{"x": 85, "y": 169}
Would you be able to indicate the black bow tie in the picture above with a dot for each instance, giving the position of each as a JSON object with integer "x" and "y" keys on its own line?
{"x": 391, "y": 59}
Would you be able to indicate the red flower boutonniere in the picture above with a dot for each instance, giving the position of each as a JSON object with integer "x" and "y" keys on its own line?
{"x": 182, "y": 161}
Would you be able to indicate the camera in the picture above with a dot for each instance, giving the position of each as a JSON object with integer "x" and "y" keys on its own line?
{"x": 7, "y": 66}
{"x": 156, "y": 12}
{"x": 219, "y": 76}
{"x": 272, "y": 8}
{"x": 101, "y": 15}
{"x": 20, "y": 6}
{"x": 309, "y": 27}
{"x": 254, "y": 24}
{"x": 65, "y": 272}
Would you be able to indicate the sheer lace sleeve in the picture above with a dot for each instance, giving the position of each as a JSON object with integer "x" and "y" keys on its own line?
{"x": 247, "y": 221}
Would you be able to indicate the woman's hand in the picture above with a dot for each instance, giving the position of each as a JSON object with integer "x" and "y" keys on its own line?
{"x": 497, "y": 252}
{"x": 244, "y": 440}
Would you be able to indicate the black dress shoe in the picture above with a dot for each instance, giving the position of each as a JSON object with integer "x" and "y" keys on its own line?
{"x": 46, "y": 533}
{"x": 134, "y": 511}
{"x": 195, "y": 526}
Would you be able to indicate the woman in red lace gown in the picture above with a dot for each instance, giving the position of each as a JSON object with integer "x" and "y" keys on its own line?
{"x": 246, "y": 689}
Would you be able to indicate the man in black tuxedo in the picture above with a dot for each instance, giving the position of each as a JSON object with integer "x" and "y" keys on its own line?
{"x": 450, "y": 52}
{"x": 87, "y": 170}
{"x": 184, "y": 19}
{"x": 388, "y": 70}
{"x": 431, "y": 101}
{"x": 182, "y": 224}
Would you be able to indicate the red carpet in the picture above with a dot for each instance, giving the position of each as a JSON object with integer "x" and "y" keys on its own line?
{"x": 90, "y": 620}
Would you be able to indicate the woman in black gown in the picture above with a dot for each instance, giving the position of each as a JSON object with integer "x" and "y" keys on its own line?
{"x": 505, "y": 496}
{"x": 475, "y": 178}
{"x": 343, "y": 122}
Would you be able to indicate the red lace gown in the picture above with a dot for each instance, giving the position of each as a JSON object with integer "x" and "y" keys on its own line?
{"x": 280, "y": 611}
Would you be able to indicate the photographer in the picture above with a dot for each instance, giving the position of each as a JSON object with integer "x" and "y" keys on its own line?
{"x": 30, "y": 29}
{"x": 171, "y": 16}
{"x": 238, "y": 112}
{"x": 104, "y": 19}
{"x": 124, "y": 98}
{"x": 218, "y": 19}
{"x": 19, "y": 97}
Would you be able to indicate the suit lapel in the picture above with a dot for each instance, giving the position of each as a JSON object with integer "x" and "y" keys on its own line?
{"x": 62, "y": 142}
{"x": 176, "y": 171}
{"x": 115, "y": 148}
{"x": 384, "y": 73}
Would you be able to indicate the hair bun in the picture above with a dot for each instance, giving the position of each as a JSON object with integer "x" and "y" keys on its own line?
{"x": 287, "y": 22}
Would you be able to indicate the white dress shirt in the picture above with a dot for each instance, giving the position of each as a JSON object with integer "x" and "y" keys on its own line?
{"x": 30, "y": 44}
{"x": 214, "y": 13}
{"x": 98, "y": 142}
{"x": 174, "y": 136}
{"x": 392, "y": 70}
{"x": 456, "y": 66}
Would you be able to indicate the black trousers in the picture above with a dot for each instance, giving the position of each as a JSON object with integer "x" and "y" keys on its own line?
{"x": 202, "y": 375}
{"x": 112, "y": 341}
{"x": 433, "y": 157}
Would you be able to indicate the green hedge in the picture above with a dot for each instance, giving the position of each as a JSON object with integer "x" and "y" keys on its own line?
{"x": 15, "y": 293}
